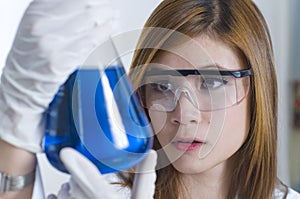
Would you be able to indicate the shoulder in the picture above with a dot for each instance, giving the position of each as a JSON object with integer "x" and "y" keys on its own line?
{"x": 291, "y": 194}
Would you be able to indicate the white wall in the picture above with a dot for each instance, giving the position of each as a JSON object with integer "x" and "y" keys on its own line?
{"x": 294, "y": 76}
{"x": 276, "y": 13}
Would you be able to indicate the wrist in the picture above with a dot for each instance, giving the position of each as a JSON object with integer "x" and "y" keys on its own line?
{"x": 16, "y": 161}
{"x": 10, "y": 183}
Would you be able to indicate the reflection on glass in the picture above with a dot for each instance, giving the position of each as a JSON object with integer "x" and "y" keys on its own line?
{"x": 97, "y": 113}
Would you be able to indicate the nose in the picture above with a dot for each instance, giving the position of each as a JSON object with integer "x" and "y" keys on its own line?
{"x": 187, "y": 94}
{"x": 185, "y": 111}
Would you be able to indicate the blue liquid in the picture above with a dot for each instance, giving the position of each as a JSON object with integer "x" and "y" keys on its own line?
{"x": 81, "y": 116}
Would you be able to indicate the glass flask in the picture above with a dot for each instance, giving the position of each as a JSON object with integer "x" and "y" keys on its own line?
{"x": 97, "y": 113}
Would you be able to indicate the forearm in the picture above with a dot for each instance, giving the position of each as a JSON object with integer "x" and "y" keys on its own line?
{"x": 15, "y": 161}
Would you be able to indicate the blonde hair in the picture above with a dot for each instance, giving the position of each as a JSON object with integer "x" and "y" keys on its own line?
{"x": 239, "y": 24}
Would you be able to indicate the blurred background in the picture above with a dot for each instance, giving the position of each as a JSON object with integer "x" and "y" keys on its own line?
{"x": 283, "y": 20}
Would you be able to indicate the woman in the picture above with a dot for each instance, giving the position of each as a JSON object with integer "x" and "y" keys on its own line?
{"x": 235, "y": 36}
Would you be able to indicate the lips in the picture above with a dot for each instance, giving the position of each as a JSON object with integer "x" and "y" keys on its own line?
{"x": 186, "y": 144}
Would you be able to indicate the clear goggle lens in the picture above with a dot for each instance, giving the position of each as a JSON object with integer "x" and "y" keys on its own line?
{"x": 207, "y": 90}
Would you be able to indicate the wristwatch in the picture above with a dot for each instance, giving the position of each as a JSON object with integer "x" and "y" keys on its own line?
{"x": 15, "y": 183}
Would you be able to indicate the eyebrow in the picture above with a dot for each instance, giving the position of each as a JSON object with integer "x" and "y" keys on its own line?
{"x": 214, "y": 66}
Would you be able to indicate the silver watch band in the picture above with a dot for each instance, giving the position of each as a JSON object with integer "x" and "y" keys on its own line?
{"x": 15, "y": 183}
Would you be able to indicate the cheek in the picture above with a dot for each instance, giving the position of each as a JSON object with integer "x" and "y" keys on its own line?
{"x": 158, "y": 120}
{"x": 227, "y": 132}
{"x": 236, "y": 126}
{"x": 164, "y": 131}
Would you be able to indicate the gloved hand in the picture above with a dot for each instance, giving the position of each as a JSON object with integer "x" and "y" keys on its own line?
{"x": 53, "y": 38}
{"x": 87, "y": 183}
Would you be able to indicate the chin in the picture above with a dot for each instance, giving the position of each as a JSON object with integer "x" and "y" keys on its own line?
{"x": 191, "y": 164}
{"x": 187, "y": 164}
{"x": 185, "y": 168}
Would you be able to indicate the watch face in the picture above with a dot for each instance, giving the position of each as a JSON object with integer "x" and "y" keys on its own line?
{"x": 15, "y": 183}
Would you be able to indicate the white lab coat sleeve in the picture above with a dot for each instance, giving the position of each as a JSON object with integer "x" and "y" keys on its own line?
{"x": 292, "y": 194}
{"x": 38, "y": 189}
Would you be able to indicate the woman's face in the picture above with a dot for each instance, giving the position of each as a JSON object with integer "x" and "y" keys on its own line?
{"x": 194, "y": 140}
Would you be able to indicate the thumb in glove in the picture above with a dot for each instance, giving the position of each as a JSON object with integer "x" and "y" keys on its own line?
{"x": 87, "y": 182}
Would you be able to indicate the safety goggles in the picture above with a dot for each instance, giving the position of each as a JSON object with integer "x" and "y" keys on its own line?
{"x": 207, "y": 90}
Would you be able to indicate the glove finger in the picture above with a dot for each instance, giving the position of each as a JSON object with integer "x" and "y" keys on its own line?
{"x": 87, "y": 43}
{"x": 148, "y": 164}
{"x": 144, "y": 180}
{"x": 86, "y": 175}
{"x": 56, "y": 8}
{"x": 63, "y": 193}
{"x": 81, "y": 22}
{"x": 77, "y": 51}
{"x": 78, "y": 43}
{"x": 52, "y": 196}
{"x": 76, "y": 191}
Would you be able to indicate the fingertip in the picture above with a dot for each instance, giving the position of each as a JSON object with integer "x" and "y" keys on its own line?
{"x": 149, "y": 163}
{"x": 151, "y": 157}
{"x": 51, "y": 196}
{"x": 66, "y": 152}
{"x": 152, "y": 154}
{"x": 70, "y": 157}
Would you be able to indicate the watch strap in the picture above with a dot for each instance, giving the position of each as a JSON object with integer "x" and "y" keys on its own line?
{"x": 15, "y": 183}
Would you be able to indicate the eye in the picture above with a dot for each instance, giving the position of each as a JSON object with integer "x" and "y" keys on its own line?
{"x": 213, "y": 83}
{"x": 163, "y": 86}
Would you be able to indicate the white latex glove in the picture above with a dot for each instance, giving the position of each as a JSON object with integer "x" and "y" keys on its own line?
{"x": 87, "y": 183}
{"x": 53, "y": 38}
